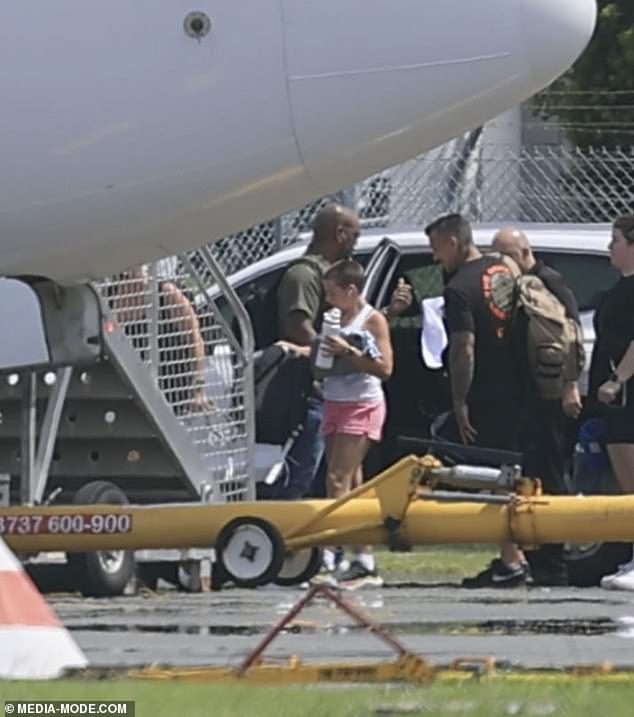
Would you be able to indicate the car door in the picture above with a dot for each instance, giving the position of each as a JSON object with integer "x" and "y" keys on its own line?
{"x": 379, "y": 272}
{"x": 415, "y": 393}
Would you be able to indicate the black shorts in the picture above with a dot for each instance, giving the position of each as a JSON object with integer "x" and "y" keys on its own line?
{"x": 619, "y": 424}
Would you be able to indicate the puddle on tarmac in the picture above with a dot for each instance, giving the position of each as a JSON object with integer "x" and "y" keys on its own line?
{"x": 514, "y": 627}
{"x": 621, "y": 627}
{"x": 538, "y": 600}
{"x": 175, "y": 629}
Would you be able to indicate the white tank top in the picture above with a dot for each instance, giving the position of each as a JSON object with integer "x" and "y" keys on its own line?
{"x": 354, "y": 386}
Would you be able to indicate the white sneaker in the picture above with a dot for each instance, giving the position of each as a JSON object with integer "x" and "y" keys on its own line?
{"x": 622, "y": 579}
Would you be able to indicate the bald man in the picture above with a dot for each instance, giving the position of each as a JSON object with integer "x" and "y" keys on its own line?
{"x": 301, "y": 303}
{"x": 514, "y": 243}
{"x": 301, "y": 298}
{"x": 547, "y": 422}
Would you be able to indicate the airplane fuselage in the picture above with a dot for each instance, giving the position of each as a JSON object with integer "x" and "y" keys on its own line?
{"x": 129, "y": 133}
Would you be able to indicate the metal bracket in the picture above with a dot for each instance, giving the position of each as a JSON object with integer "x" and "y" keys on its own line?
{"x": 36, "y": 456}
{"x": 394, "y": 488}
{"x": 48, "y": 431}
{"x": 407, "y": 667}
{"x": 396, "y": 541}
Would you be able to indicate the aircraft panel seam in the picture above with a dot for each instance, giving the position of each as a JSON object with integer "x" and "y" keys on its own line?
{"x": 400, "y": 68}
{"x": 288, "y": 79}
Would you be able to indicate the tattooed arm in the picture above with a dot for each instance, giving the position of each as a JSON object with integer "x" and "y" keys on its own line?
{"x": 461, "y": 328}
{"x": 461, "y": 368}
{"x": 461, "y": 365}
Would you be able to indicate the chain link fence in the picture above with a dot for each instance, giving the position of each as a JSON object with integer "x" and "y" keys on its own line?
{"x": 488, "y": 183}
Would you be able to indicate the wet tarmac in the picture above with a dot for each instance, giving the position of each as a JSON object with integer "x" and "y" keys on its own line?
{"x": 538, "y": 627}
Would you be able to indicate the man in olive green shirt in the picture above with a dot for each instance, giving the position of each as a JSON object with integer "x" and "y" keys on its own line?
{"x": 300, "y": 296}
{"x": 301, "y": 304}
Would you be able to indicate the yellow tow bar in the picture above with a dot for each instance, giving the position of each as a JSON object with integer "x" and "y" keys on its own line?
{"x": 396, "y": 508}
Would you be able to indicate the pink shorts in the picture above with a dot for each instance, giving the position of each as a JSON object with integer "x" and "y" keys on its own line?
{"x": 358, "y": 418}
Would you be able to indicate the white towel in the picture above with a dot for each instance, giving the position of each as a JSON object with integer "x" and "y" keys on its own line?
{"x": 433, "y": 337}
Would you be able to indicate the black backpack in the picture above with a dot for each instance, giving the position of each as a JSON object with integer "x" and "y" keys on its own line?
{"x": 262, "y": 306}
{"x": 283, "y": 382}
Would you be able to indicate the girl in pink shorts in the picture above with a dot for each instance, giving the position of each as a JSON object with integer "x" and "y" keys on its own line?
{"x": 354, "y": 408}
{"x": 355, "y": 418}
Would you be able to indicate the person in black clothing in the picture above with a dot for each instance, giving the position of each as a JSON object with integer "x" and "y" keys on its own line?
{"x": 478, "y": 311}
{"x": 546, "y": 423}
{"x": 612, "y": 372}
{"x": 485, "y": 385}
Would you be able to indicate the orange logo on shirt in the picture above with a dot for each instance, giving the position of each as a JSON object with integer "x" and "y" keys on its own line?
{"x": 498, "y": 288}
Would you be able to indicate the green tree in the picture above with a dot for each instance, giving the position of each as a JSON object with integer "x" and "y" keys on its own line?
{"x": 594, "y": 101}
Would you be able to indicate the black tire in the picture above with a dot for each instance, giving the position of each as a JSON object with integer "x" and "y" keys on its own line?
{"x": 104, "y": 573}
{"x": 306, "y": 564}
{"x": 588, "y": 563}
{"x": 232, "y": 557}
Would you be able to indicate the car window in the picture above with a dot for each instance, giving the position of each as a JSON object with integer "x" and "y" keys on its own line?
{"x": 363, "y": 257}
{"x": 589, "y": 276}
{"x": 258, "y": 285}
{"x": 426, "y": 279}
{"x": 261, "y": 284}
{"x": 421, "y": 273}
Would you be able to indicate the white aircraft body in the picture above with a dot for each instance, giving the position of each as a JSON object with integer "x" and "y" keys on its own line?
{"x": 132, "y": 129}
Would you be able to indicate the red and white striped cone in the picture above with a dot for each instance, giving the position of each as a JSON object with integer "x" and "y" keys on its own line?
{"x": 33, "y": 642}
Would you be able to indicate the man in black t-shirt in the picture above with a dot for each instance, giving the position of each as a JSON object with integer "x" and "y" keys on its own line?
{"x": 478, "y": 312}
{"x": 485, "y": 386}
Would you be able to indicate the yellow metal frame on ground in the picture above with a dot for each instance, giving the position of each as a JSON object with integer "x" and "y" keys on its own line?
{"x": 395, "y": 508}
{"x": 404, "y": 669}
{"x": 408, "y": 667}
{"x": 398, "y": 508}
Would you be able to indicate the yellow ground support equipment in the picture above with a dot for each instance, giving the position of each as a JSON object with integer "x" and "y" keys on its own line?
{"x": 257, "y": 542}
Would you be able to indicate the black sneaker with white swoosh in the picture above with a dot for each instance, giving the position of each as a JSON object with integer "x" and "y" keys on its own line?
{"x": 499, "y": 575}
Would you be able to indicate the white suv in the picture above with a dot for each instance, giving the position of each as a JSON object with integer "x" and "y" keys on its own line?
{"x": 578, "y": 252}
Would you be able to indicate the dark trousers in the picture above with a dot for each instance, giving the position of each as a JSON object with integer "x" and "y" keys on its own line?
{"x": 544, "y": 444}
{"x": 304, "y": 460}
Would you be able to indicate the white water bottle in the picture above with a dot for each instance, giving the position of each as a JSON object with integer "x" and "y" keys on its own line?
{"x": 330, "y": 327}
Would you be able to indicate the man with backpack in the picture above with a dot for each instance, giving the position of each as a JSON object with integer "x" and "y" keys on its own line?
{"x": 300, "y": 305}
{"x": 292, "y": 309}
{"x": 552, "y": 397}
